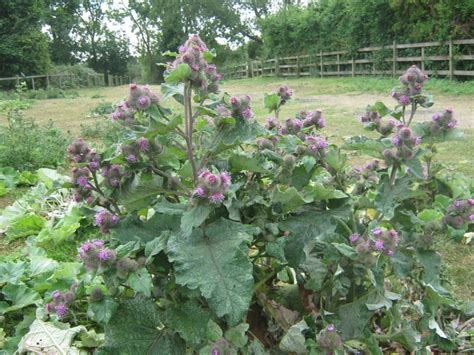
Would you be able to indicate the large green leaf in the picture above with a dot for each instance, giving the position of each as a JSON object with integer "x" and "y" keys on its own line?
{"x": 102, "y": 311}
{"x": 242, "y": 162}
{"x": 25, "y": 226}
{"x": 132, "y": 229}
{"x": 354, "y": 317}
{"x": 143, "y": 189}
{"x": 390, "y": 196}
{"x": 140, "y": 282}
{"x": 241, "y": 132}
{"x": 215, "y": 261}
{"x": 271, "y": 101}
{"x": 288, "y": 200}
{"x": 178, "y": 74}
{"x": 364, "y": 145}
{"x": 188, "y": 320}
{"x": 135, "y": 329}
{"x": 306, "y": 227}
{"x": 20, "y": 296}
{"x": 194, "y": 217}
{"x": 294, "y": 340}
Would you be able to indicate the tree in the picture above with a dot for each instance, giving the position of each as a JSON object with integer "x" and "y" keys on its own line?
{"x": 23, "y": 47}
{"x": 63, "y": 19}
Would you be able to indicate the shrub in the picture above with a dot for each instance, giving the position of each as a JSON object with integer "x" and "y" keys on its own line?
{"x": 26, "y": 145}
{"x": 221, "y": 236}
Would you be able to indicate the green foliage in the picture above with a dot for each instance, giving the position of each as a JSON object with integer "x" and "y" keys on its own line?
{"x": 208, "y": 238}
{"x": 25, "y": 145}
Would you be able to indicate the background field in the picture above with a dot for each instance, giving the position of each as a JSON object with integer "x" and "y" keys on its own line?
{"x": 342, "y": 101}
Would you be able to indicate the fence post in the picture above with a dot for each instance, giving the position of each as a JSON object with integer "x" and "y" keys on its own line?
{"x": 33, "y": 83}
{"x": 394, "y": 59}
{"x": 353, "y": 67}
{"x": 249, "y": 68}
{"x": 451, "y": 60}
{"x": 47, "y": 81}
{"x": 423, "y": 58}
{"x": 338, "y": 65}
{"x": 321, "y": 63}
{"x": 298, "y": 69}
{"x": 263, "y": 65}
{"x": 17, "y": 80}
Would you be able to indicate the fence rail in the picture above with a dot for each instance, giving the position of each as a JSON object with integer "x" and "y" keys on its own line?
{"x": 61, "y": 80}
{"x": 385, "y": 60}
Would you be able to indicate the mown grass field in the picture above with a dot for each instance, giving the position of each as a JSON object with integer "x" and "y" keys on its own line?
{"x": 341, "y": 100}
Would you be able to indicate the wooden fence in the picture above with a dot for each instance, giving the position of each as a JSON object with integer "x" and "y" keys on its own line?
{"x": 386, "y": 60}
{"x": 67, "y": 80}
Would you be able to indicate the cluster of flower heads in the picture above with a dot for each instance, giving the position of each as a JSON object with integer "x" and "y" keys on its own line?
{"x": 139, "y": 98}
{"x": 381, "y": 241}
{"x": 315, "y": 146}
{"x": 329, "y": 340}
{"x": 285, "y": 94}
{"x": 372, "y": 120}
{"x": 212, "y": 186}
{"x": 141, "y": 146}
{"x": 60, "y": 302}
{"x": 442, "y": 122}
{"x": 313, "y": 118}
{"x": 240, "y": 107}
{"x": 105, "y": 220}
{"x": 203, "y": 76}
{"x": 295, "y": 125}
{"x": 405, "y": 145}
{"x": 98, "y": 258}
{"x": 412, "y": 83}
{"x": 113, "y": 175}
{"x": 460, "y": 213}
{"x": 83, "y": 188}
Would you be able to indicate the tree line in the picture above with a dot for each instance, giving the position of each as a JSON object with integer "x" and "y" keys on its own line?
{"x": 36, "y": 35}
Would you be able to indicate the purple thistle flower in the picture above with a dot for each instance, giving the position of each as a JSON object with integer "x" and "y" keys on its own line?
{"x": 56, "y": 294}
{"x": 377, "y": 231}
{"x": 396, "y": 141}
{"x": 82, "y": 181}
{"x": 104, "y": 254}
{"x": 451, "y": 124}
{"x": 100, "y": 217}
{"x": 99, "y": 243}
{"x": 354, "y": 237}
{"x": 62, "y": 310}
{"x": 379, "y": 244}
{"x": 393, "y": 233}
{"x": 131, "y": 158}
{"x": 93, "y": 165}
{"x": 331, "y": 328}
{"x": 436, "y": 117}
{"x": 457, "y": 204}
{"x": 216, "y": 197}
{"x": 234, "y": 101}
{"x": 199, "y": 191}
{"x": 417, "y": 140}
{"x": 143, "y": 144}
{"x": 471, "y": 218}
{"x": 49, "y": 307}
{"x": 470, "y": 201}
{"x": 404, "y": 100}
{"x": 225, "y": 179}
{"x": 390, "y": 252}
{"x": 143, "y": 102}
{"x": 321, "y": 123}
{"x": 247, "y": 113}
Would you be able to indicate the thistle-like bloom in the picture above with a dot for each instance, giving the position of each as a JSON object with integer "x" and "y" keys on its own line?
{"x": 105, "y": 220}
{"x": 62, "y": 310}
{"x": 354, "y": 238}
{"x": 379, "y": 245}
{"x": 143, "y": 144}
{"x": 213, "y": 186}
{"x": 216, "y": 197}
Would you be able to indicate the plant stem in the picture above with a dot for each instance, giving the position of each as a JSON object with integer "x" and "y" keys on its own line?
{"x": 172, "y": 178}
{"x": 188, "y": 117}
{"x": 264, "y": 280}
{"x": 393, "y": 173}
{"x": 412, "y": 113}
{"x": 97, "y": 188}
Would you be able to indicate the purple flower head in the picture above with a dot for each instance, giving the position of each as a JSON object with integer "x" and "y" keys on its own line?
{"x": 225, "y": 179}
{"x": 62, "y": 310}
{"x": 56, "y": 294}
{"x": 390, "y": 252}
{"x": 223, "y": 111}
{"x": 416, "y": 140}
{"x": 215, "y": 351}
{"x": 49, "y": 307}
{"x": 471, "y": 218}
{"x": 101, "y": 217}
{"x": 379, "y": 244}
{"x": 105, "y": 254}
{"x": 216, "y": 197}
{"x": 451, "y": 124}
{"x": 404, "y": 100}
{"x": 82, "y": 181}
{"x": 321, "y": 123}
{"x": 234, "y": 101}
{"x": 436, "y": 117}
{"x": 354, "y": 238}
{"x": 143, "y": 102}
{"x": 99, "y": 243}
{"x": 393, "y": 233}
{"x": 457, "y": 204}
{"x": 131, "y": 158}
{"x": 247, "y": 113}
{"x": 396, "y": 141}
{"x": 331, "y": 328}
{"x": 470, "y": 201}
{"x": 143, "y": 144}
{"x": 93, "y": 165}
{"x": 377, "y": 232}
{"x": 199, "y": 191}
